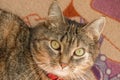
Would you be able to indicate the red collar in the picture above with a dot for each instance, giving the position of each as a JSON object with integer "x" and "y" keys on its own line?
{"x": 53, "y": 77}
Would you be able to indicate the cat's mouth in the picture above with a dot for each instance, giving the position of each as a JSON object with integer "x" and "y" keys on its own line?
{"x": 54, "y": 77}
{"x": 57, "y": 74}
{"x": 58, "y": 71}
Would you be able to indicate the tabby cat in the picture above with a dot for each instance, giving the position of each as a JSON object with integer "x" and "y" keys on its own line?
{"x": 58, "y": 46}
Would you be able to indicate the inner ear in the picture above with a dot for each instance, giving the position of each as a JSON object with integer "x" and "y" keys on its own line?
{"x": 55, "y": 16}
{"x": 95, "y": 28}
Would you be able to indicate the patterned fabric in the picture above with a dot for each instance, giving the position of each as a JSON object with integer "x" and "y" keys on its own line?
{"x": 108, "y": 7}
{"x": 106, "y": 69}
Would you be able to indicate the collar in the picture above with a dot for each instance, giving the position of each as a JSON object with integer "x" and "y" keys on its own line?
{"x": 53, "y": 77}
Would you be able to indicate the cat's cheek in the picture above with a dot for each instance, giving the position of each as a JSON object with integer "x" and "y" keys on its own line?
{"x": 86, "y": 64}
{"x": 41, "y": 57}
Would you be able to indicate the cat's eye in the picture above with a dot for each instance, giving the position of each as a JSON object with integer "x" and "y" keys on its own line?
{"x": 79, "y": 52}
{"x": 55, "y": 45}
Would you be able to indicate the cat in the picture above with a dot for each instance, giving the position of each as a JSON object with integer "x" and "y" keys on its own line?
{"x": 58, "y": 46}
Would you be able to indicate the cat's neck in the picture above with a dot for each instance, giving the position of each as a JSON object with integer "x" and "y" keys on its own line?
{"x": 55, "y": 77}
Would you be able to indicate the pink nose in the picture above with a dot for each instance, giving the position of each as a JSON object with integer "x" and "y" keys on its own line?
{"x": 63, "y": 65}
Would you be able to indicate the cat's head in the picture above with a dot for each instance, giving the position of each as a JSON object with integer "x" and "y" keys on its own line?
{"x": 66, "y": 49}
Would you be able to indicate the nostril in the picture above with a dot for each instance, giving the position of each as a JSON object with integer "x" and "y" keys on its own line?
{"x": 63, "y": 65}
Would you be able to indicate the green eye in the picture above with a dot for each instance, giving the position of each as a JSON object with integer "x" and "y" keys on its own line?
{"x": 55, "y": 45}
{"x": 79, "y": 52}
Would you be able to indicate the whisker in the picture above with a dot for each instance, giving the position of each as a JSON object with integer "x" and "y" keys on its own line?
{"x": 76, "y": 76}
{"x": 72, "y": 75}
{"x": 88, "y": 76}
{"x": 83, "y": 78}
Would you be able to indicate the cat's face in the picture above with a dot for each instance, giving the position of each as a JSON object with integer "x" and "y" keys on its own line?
{"x": 65, "y": 50}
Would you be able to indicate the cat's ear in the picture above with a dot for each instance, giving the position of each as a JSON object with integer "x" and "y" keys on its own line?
{"x": 55, "y": 16}
{"x": 95, "y": 28}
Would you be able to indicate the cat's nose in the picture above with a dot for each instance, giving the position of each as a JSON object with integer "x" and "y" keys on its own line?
{"x": 63, "y": 65}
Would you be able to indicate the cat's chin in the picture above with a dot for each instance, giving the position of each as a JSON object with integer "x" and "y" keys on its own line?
{"x": 60, "y": 72}
{"x": 66, "y": 73}
{"x": 51, "y": 72}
